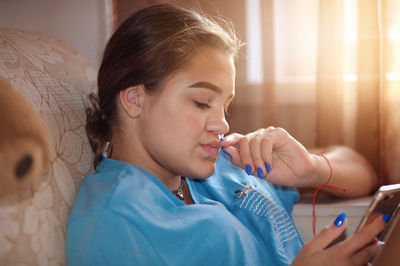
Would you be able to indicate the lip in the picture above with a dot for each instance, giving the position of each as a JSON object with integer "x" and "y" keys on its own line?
{"x": 211, "y": 149}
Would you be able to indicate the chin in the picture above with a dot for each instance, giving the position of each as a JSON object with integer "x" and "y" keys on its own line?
{"x": 204, "y": 171}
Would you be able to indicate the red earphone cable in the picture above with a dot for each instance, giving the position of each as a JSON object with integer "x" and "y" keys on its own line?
{"x": 322, "y": 187}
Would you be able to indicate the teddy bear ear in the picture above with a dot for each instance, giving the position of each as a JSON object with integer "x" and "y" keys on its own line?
{"x": 24, "y": 142}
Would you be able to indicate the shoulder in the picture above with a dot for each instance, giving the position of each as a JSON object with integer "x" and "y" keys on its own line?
{"x": 103, "y": 237}
{"x": 115, "y": 184}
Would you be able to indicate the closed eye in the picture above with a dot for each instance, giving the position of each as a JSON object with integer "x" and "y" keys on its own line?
{"x": 202, "y": 105}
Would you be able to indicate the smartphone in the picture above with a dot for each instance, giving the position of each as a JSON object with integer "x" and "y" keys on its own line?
{"x": 389, "y": 253}
{"x": 385, "y": 201}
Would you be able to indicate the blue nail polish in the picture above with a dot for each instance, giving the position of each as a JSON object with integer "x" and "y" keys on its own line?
{"x": 248, "y": 169}
{"x": 260, "y": 173}
{"x": 224, "y": 151}
{"x": 268, "y": 167}
{"x": 386, "y": 217}
{"x": 221, "y": 139}
{"x": 340, "y": 219}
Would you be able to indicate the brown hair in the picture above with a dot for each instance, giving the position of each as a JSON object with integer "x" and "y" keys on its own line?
{"x": 147, "y": 49}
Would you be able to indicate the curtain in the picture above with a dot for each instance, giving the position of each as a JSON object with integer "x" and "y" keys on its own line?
{"x": 389, "y": 90}
{"x": 328, "y": 71}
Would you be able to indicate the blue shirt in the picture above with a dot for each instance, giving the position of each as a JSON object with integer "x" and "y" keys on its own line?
{"x": 124, "y": 215}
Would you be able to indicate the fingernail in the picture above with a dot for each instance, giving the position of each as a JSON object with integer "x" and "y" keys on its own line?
{"x": 224, "y": 151}
{"x": 386, "y": 217}
{"x": 221, "y": 139}
{"x": 268, "y": 167}
{"x": 340, "y": 219}
{"x": 248, "y": 169}
{"x": 260, "y": 173}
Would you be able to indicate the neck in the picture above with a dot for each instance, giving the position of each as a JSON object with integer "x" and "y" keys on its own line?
{"x": 130, "y": 149}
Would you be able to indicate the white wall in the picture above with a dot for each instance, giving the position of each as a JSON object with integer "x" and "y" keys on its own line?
{"x": 82, "y": 24}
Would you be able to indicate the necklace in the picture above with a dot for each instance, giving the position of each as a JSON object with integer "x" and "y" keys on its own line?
{"x": 179, "y": 192}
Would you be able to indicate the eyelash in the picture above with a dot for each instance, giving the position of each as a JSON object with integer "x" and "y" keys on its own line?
{"x": 226, "y": 112}
{"x": 203, "y": 106}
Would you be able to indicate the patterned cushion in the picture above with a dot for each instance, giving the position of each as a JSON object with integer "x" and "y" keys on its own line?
{"x": 56, "y": 79}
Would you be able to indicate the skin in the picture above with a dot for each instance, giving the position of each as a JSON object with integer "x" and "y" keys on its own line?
{"x": 176, "y": 132}
{"x": 293, "y": 165}
{"x": 190, "y": 113}
{"x": 356, "y": 250}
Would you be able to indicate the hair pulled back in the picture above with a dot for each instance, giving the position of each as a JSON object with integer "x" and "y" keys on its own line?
{"x": 147, "y": 49}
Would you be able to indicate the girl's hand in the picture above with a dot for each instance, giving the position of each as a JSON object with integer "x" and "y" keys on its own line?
{"x": 356, "y": 250}
{"x": 273, "y": 154}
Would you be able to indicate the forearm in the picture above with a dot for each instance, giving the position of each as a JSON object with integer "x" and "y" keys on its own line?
{"x": 350, "y": 171}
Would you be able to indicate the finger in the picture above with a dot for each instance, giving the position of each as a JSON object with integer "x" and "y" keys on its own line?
{"x": 245, "y": 156}
{"x": 233, "y": 154}
{"x": 229, "y": 150}
{"x": 365, "y": 254}
{"x": 269, "y": 129}
{"x": 237, "y": 146}
{"x": 372, "y": 217}
{"x": 278, "y": 136}
{"x": 255, "y": 149}
{"x": 366, "y": 235}
{"x": 227, "y": 146}
{"x": 231, "y": 139}
{"x": 266, "y": 153}
{"x": 328, "y": 234}
{"x": 274, "y": 140}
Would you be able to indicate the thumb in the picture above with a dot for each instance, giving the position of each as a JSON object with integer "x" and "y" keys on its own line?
{"x": 329, "y": 233}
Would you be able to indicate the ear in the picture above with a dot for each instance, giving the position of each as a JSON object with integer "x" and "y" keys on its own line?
{"x": 131, "y": 100}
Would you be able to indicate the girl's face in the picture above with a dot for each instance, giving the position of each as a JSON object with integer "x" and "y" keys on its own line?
{"x": 183, "y": 123}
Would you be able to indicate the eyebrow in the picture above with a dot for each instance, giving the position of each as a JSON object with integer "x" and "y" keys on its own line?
{"x": 208, "y": 85}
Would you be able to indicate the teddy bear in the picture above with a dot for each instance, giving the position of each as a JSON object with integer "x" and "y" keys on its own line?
{"x": 24, "y": 142}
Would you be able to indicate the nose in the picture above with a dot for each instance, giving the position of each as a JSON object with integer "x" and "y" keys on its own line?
{"x": 217, "y": 123}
